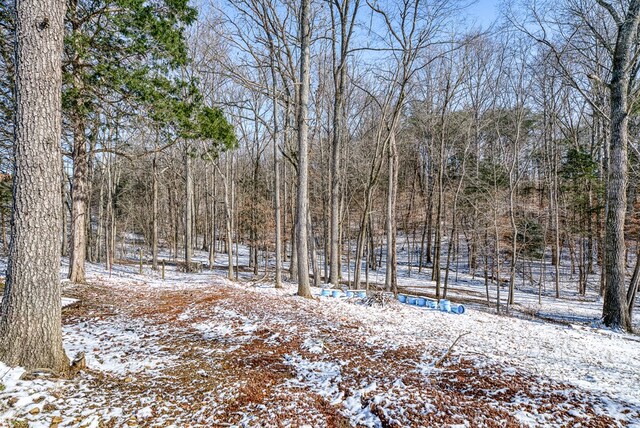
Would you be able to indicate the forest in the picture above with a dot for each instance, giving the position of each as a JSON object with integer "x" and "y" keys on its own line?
{"x": 218, "y": 168}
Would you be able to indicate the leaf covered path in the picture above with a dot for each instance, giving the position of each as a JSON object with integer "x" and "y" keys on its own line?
{"x": 218, "y": 354}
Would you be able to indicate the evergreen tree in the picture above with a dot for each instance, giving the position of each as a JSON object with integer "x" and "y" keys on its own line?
{"x": 122, "y": 53}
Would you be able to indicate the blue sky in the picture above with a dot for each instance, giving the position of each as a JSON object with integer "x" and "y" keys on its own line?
{"x": 483, "y": 11}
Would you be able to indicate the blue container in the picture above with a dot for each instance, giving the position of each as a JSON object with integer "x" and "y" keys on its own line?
{"x": 421, "y": 301}
{"x": 325, "y": 292}
{"x": 402, "y": 298}
{"x": 411, "y": 300}
{"x": 362, "y": 294}
{"x": 445, "y": 305}
{"x": 431, "y": 304}
{"x": 349, "y": 293}
{"x": 336, "y": 293}
{"x": 457, "y": 309}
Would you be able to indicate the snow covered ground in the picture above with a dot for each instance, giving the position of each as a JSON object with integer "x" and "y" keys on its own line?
{"x": 534, "y": 296}
{"x": 199, "y": 350}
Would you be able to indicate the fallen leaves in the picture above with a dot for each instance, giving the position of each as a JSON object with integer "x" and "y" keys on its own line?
{"x": 237, "y": 368}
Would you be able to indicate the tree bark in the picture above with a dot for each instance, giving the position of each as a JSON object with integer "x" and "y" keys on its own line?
{"x": 302, "y": 205}
{"x": 633, "y": 287}
{"x": 79, "y": 187}
{"x": 276, "y": 185}
{"x": 188, "y": 212}
{"x": 615, "y": 313}
{"x": 392, "y": 266}
{"x": 340, "y": 80}
{"x": 79, "y": 197}
{"x": 30, "y": 314}
{"x": 154, "y": 226}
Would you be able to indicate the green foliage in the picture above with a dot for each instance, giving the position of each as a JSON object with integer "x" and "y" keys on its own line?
{"x": 579, "y": 173}
{"x": 131, "y": 54}
{"x": 190, "y": 119}
{"x": 579, "y": 165}
{"x": 491, "y": 175}
{"x": 212, "y": 125}
{"x": 530, "y": 237}
{"x": 6, "y": 193}
{"x": 129, "y": 51}
{"x": 6, "y": 77}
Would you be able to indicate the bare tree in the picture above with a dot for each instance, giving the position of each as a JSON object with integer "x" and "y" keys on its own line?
{"x": 342, "y": 24}
{"x": 617, "y": 31}
{"x": 302, "y": 201}
{"x": 623, "y": 74}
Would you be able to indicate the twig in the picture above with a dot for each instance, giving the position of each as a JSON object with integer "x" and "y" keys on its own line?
{"x": 442, "y": 359}
{"x": 258, "y": 280}
{"x": 5, "y": 373}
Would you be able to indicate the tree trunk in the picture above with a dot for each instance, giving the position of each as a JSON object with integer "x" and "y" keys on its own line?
{"x": 614, "y": 308}
{"x": 65, "y": 214}
{"x": 340, "y": 77}
{"x": 154, "y": 226}
{"x": 228, "y": 217}
{"x": 425, "y": 253}
{"x": 276, "y": 187}
{"x": 79, "y": 197}
{"x": 214, "y": 224}
{"x": 303, "y": 154}
{"x": 334, "y": 270}
{"x": 188, "y": 212}
{"x": 633, "y": 287}
{"x": 313, "y": 252}
{"x": 30, "y": 322}
{"x": 100, "y": 225}
{"x": 362, "y": 233}
{"x": 615, "y": 313}
{"x": 390, "y": 281}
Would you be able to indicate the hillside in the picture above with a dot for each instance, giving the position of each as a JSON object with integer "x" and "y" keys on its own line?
{"x": 198, "y": 350}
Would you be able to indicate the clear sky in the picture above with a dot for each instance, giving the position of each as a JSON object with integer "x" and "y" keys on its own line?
{"x": 484, "y": 12}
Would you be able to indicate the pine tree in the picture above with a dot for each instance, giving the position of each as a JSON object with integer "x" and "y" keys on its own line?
{"x": 120, "y": 52}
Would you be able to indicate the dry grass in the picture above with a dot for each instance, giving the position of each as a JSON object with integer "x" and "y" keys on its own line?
{"x": 253, "y": 374}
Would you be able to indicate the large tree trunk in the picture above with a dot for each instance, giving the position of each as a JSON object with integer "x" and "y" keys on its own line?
{"x": 615, "y": 313}
{"x": 303, "y": 154}
{"x": 614, "y": 308}
{"x": 30, "y": 314}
